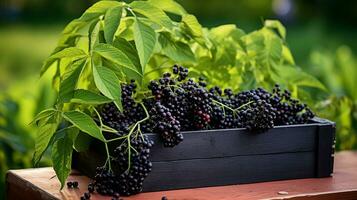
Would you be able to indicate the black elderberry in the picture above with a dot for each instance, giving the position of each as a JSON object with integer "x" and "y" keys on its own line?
{"x": 87, "y": 195}
{"x": 75, "y": 184}
{"x": 69, "y": 184}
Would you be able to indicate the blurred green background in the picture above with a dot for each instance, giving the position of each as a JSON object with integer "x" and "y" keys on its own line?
{"x": 321, "y": 35}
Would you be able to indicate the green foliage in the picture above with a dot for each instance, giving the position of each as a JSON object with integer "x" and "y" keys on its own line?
{"x": 114, "y": 42}
{"x": 337, "y": 70}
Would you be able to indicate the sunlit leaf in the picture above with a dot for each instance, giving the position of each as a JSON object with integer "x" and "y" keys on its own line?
{"x": 44, "y": 135}
{"x": 170, "y": 6}
{"x": 117, "y": 56}
{"x": 111, "y": 23}
{"x": 152, "y": 12}
{"x": 87, "y": 97}
{"x": 192, "y": 25}
{"x": 108, "y": 83}
{"x": 69, "y": 81}
{"x": 84, "y": 122}
{"x": 71, "y": 52}
{"x": 145, "y": 40}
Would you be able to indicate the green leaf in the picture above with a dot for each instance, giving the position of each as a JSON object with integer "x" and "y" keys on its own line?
{"x": 62, "y": 155}
{"x": 176, "y": 50}
{"x": 271, "y": 53}
{"x": 82, "y": 142}
{"x": 88, "y": 97}
{"x": 117, "y": 56}
{"x": 276, "y": 25}
{"x": 292, "y": 75}
{"x": 85, "y": 123}
{"x": 70, "y": 52}
{"x": 93, "y": 33}
{"x": 128, "y": 48}
{"x": 108, "y": 83}
{"x": 69, "y": 81}
{"x": 170, "y": 6}
{"x": 145, "y": 40}
{"x": 44, "y": 135}
{"x": 102, "y": 6}
{"x": 43, "y": 114}
{"x": 226, "y": 31}
{"x": 152, "y": 12}
{"x": 192, "y": 25}
{"x": 92, "y": 13}
{"x": 111, "y": 23}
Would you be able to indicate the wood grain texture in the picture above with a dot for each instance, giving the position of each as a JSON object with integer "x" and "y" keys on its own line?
{"x": 343, "y": 185}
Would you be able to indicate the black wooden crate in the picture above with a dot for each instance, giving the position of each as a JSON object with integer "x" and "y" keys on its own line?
{"x": 233, "y": 156}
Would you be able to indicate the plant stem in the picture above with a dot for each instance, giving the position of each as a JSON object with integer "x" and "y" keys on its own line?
{"x": 223, "y": 105}
{"x": 105, "y": 143}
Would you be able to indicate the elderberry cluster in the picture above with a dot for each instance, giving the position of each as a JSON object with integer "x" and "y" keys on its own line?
{"x": 176, "y": 103}
{"x": 128, "y": 173}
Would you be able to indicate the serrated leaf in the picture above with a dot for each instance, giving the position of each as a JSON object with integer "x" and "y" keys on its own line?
{"x": 44, "y": 135}
{"x": 116, "y": 56}
{"x": 192, "y": 25}
{"x": 152, "y": 12}
{"x": 276, "y": 25}
{"x": 129, "y": 49}
{"x": 85, "y": 123}
{"x": 176, "y": 50}
{"x": 170, "y": 6}
{"x": 70, "y": 52}
{"x": 87, "y": 97}
{"x": 69, "y": 81}
{"x": 108, "y": 84}
{"x": 145, "y": 40}
{"x": 62, "y": 155}
{"x": 111, "y": 23}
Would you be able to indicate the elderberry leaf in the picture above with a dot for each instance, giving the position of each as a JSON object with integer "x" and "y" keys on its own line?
{"x": 45, "y": 132}
{"x": 170, "y": 6}
{"x": 145, "y": 40}
{"x": 192, "y": 25}
{"x": 111, "y": 23}
{"x": 152, "y": 12}
{"x": 62, "y": 154}
{"x": 117, "y": 56}
{"x": 107, "y": 83}
{"x": 176, "y": 50}
{"x": 89, "y": 97}
{"x": 70, "y": 52}
{"x": 69, "y": 81}
{"x": 84, "y": 122}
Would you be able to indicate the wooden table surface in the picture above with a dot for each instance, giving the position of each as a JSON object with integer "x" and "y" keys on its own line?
{"x": 41, "y": 184}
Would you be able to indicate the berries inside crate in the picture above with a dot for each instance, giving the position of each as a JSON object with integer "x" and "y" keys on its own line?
{"x": 232, "y": 156}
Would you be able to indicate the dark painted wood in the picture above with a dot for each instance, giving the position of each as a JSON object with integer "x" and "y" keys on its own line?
{"x": 229, "y": 170}
{"x": 234, "y": 142}
{"x": 325, "y": 150}
{"x": 231, "y": 156}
